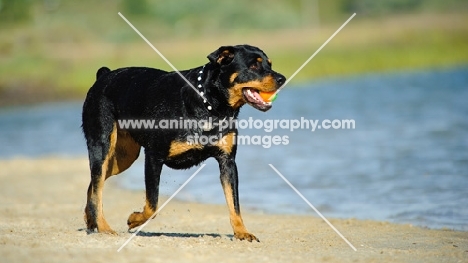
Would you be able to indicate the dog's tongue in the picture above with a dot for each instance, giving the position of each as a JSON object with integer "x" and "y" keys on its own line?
{"x": 255, "y": 96}
{"x": 255, "y": 100}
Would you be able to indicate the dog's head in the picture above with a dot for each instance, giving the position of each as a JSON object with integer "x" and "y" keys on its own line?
{"x": 244, "y": 72}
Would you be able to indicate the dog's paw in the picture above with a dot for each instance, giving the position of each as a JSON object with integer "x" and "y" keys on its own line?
{"x": 103, "y": 227}
{"x": 90, "y": 224}
{"x": 107, "y": 231}
{"x": 246, "y": 236}
{"x": 90, "y": 221}
{"x": 136, "y": 219}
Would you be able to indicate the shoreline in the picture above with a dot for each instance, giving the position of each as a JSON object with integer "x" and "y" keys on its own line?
{"x": 43, "y": 201}
{"x": 36, "y": 96}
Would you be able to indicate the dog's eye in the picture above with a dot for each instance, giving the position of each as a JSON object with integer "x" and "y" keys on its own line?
{"x": 255, "y": 66}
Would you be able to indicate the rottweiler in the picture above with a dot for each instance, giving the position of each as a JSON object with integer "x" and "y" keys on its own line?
{"x": 233, "y": 76}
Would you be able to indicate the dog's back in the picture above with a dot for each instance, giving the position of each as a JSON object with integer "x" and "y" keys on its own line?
{"x": 118, "y": 92}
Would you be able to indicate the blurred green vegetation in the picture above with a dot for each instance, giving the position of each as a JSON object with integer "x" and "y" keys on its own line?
{"x": 15, "y": 11}
{"x": 51, "y": 49}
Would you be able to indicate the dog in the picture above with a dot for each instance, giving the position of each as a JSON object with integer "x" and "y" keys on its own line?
{"x": 233, "y": 77}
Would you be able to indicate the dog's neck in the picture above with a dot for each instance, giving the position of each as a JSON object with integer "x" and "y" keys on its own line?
{"x": 207, "y": 85}
{"x": 201, "y": 89}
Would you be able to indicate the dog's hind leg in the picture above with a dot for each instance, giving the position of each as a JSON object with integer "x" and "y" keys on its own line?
{"x": 101, "y": 150}
{"x": 153, "y": 167}
{"x": 119, "y": 151}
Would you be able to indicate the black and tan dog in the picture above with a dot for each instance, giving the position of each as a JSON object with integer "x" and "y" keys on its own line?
{"x": 233, "y": 77}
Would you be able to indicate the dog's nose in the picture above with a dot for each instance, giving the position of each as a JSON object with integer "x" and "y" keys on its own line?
{"x": 280, "y": 79}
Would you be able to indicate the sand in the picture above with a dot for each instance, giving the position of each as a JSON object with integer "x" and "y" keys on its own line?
{"x": 42, "y": 203}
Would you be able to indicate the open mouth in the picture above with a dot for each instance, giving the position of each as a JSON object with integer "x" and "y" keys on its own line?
{"x": 253, "y": 98}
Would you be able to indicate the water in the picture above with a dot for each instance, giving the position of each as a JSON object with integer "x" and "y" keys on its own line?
{"x": 406, "y": 161}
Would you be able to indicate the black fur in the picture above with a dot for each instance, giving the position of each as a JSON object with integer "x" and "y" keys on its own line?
{"x": 146, "y": 93}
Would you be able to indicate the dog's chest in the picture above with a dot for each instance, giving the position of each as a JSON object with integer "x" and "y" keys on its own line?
{"x": 197, "y": 148}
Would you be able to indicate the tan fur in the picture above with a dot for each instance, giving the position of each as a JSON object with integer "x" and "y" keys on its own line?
{"x": 227, "y": 142}
{"x": 123, "y": 151}
{"x": 223, "y": 55}
{"x": 178, "y": 147}
{"x": 236, "y": 99}
{"x": 233, "y": 77}
{"x": 240, "y": 231}
{"x": 138, "y": 218}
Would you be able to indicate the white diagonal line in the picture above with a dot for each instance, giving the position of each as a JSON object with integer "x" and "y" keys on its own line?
{"x": 160, "y": 208}
{"x": 313, "y": 55}
{"x": 313, "y": 207}
{"x": 162, "y": 56}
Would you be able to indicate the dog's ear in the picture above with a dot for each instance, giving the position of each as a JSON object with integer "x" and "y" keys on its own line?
{"x": 223, "y": 56}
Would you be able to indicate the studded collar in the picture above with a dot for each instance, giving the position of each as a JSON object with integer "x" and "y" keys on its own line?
{"x": 202, "y": 91}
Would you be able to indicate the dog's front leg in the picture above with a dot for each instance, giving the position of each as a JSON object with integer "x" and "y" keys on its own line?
{"x": 229, "y": 181}
{"x": 153, "y": 167}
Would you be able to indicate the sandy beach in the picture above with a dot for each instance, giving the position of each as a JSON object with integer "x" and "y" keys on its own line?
{"x": 42, "y": 221}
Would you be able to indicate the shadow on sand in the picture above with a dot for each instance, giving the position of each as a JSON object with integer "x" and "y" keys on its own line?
{"x": 182, "y": 235}
{"x": 179, "y": 235}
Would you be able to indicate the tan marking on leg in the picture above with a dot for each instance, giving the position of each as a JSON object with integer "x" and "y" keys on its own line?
{"x": 126, "y": 151}
{"x": 123, "y": 151}
{"x": 106, "y": 171}
{"x": 90, "y": 224}
{"x": 227, "y": 142}
{"x": 236, "y": 219}
{"x": 102, "y": 225}
{"x": 109, "y": 161}
{"x": 240, "y": 231}
{"x": 139, "y": 218}
{"x": 178, "y": 147}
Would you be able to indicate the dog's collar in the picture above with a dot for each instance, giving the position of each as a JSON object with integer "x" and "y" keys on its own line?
{"x": 202, "y": 92}
{"x": 201, "y": 89}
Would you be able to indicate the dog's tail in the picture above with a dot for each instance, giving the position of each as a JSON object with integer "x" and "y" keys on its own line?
{"x": 102, "y": 71}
